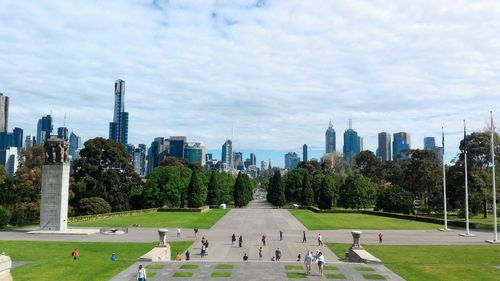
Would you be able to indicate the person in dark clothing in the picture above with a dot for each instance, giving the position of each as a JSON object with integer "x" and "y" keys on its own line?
{"x": 233, "y": 239}
{"x": 245, "y": 257}
{"x": 188, "y": 255}
{"x": 281, "y": 235}
{"x": 278, "y": 254}
{"x": 304, "y": 240}
{"x": 195, "y": 232}
{"x": 240, "y": 240}
{"x": 263, "y": 240}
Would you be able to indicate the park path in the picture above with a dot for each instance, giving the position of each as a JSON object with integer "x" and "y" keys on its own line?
{"x": 258, "y": 219}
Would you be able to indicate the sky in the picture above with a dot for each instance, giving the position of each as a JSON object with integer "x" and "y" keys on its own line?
{"x": 268, "y": 74}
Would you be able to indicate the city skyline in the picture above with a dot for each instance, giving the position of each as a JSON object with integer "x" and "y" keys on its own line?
{"x": 398, "y": 69}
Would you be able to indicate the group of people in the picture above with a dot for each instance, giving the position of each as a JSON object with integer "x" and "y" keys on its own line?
{"x": 240, "y": 240}
{"x": 204, "y": 247}
{"x": 317, "y": 257}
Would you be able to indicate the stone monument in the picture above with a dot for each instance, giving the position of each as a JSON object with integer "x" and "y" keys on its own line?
{"x": 5, "y": 266}
{"x": 55, "y": 186}
{"x": 357, "y": 253}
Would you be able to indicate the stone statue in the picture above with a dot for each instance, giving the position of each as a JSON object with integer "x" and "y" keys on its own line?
{"x": 56, "y": 151}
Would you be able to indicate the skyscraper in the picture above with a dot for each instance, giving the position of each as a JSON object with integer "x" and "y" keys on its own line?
{"x": 291, "y": 160}
{"x": 429, "y": 143}
{"x": 44, "y": 129}
{"x": 176, "y": 146}
{"x": 253, "y": 159}
{"x": 351, "y": 145}
{"x": 330, "y": 139}
{"x": 14, "y": 139}
{"x": 156, "y": 152}
{"x": 139, "y": 159}
{"x": 118, "y": 129}
{"x": 384, "y": 146}
{"x": 227, "y": 153}
{"x": 194, "y": 153}
{"x": 62, "y": 133}
{"x": 304, "y": 152}
{"x": 4, "y": 113}
{"x": 400, "y": 145}
{"x": 74, "y": 144}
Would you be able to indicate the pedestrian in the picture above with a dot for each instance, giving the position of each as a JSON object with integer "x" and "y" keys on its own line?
{"x": 141, "y": 273}
{"x": 278, "y": 254}
{"x": 281, "y": 235}
{"x": 188, "y": 255}
{"x": 260, "y": 253}
{"x": 233, "y": 239}
{"x": 203, "y": 249}
{"x": 178, "y": 257}
{"x": 380, "y": 236}
{"x": 245, "y": 257}
{"x": 304, "y": 240}
{"x": 308, "y": 262}
{"x": 203, "y": 239}
{"x": 273, "y": 258}
{"x": 195, "y": 231}
{"x": 240, "y": 241}
{"x": 113, "y": 257}
{"x": 321, "y": 262}
{"x": 75, "y": 254}
{"x": 178, "y": 232}
{"x": 263, "y": 240}
{"x": 320, "y": 240}
{"x": 299, "y": 257}
{"x": 206, "y": 247}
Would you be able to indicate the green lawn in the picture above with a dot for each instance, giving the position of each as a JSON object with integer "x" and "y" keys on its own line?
{"x": 161, "y": 219}
{"x": 331, "y": 221}
{"x": 433, "y": 263}
{"x": 53, "y": 261}
{"x": 221, "y": 274}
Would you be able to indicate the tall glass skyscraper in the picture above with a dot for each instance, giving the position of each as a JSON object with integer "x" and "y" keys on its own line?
{"x": 401, "y": 145}
{"x": 291, "y": 160}
{"x": 429, "y": 143}
{"x": 4, "y": 113}
{"x": 384, "y": 146}
{"x": 227, "y": 153}
{"x": 118, "y": 129}
{"x": 44, "y": 129}
{"x": 62, "y": 133}
{"x": 351, "y": 145}
{"x": 74, "y": 144}
{"x": 330, "y": 139}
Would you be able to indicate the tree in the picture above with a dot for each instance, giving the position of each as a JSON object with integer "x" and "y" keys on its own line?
{"x": 356, "y": 192}
{"x": 238, "y": 192}
{"x": 293, "y": 184}
{"x": 316, "y": 184}
{"x": 174, "y": 161}
{"x": 368, "y": 164}
{"x": 106, "y": 169}
{"x": 213, "y": 196}
{"x": 307, "y": 198}
{"x": 5, "y": 216}
{"x": 226, "y": 185}
{"x": 394, "y": 199}
{"x": 195, "y": 198}
{"x": 327, "y": 192}
{"x": 93, "y": 206}
{"x": 280, "y": 190}
{"x": 312, "y": 166}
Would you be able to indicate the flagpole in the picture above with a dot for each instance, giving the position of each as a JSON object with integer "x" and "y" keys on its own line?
{"x": 444, "y": 185}
{"x": 467, "y": 233}
{"x": 495, "y": 233}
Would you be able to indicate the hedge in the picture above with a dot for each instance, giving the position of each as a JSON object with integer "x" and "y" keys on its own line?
{"x": 201, "y": 209}
{"x": 110, "y": 215}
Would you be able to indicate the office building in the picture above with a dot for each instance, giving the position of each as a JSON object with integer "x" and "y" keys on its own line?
{"x": 351, "y": 145}
{"x": 401, "y": 145}
{"x": 176, "y": 146}
{"x": 194, "y": 153}
{"x": 4, "y": 113}
{"x": 330, "y": 145}
{"x": 429, "y": 143}
{"x": 14, "y": 139}
{"x": 156, "y": 153}
{"x": 227, "y": 153}
{"x": 9, "y": 159}
{"x": 62, "y": 133}
{"x": 44, "y": 129}
{"x": 138, "y": 155}
{"x": 304, "y": 152}
{"x": 75, "y": 142}
{"x": 384, "y": 146}
{"x": 208, "y": 157}
{"x": 28, "y": 142}
{"x": 118, "y": 129}
{"x": 291, "y": 160}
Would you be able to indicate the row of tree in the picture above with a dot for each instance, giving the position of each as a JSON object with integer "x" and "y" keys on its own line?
{"x": 104, "y": 180}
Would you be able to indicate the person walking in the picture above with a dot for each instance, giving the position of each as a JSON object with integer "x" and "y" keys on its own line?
{"x": 188, "y": 255}
{"x": 75, "y": 254}
{"x": 304, "y": 239}
{"x": 178, "y": 232}
{"x": 263, "y": 240}
{"x": 278, "y": 254}
{"x": 321, "y": 262}
{"x": 240, "y": 241}
{"x": 178, "y": 257}
{"x": 195, "y": 231}
{"x": 281, "y": 235}
{"x": 233, "y": 239}
{"x": 320, "y": 240}
{"x": 380, "y": 236}
{"x": 203, "y": 250}
{"x": 308, "y": 262}
{"x": 141, "y": 273}
{"x": 260, "y": 253}
{"x": 245, "y": 257}
{"x": 299, "y": 257}
{"x": 206, "y": 247}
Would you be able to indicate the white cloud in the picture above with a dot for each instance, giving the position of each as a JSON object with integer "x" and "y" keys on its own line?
{"x": 275, "y": 70}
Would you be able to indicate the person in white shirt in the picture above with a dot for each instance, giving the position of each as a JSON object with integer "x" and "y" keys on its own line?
{"x": 141, "y": 273}
{"x": 178, "y": 232}
{"x": 321, "y": 262}
{"x": 320, "y": 240}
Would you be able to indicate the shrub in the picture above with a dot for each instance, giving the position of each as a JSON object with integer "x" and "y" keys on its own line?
{"x": 93, "y": 206}
{"x": 25, "y": 213}
{"x": 4, "y": 217}
{"x": 394, "y": 199}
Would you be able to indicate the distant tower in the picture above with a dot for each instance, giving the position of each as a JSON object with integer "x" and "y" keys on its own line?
{"x": 330, "y": 139}
{"x": 44, "y": 129}
{"x": 118, "y": 129}
{"x": 269, "y": 169}
{"x": 227, "y": 153}
{"x": 4, "y": 113}
{"x": 351, "y": 145}
{"x": 304, "y": 152}
{"x": 384, "y": 146}
{"x": 400, "y": 145}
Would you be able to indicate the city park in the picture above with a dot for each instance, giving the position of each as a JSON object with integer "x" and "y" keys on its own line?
{"x": 414, "y": 219}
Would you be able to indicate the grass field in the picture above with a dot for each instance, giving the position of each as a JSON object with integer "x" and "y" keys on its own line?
{"x": 161, "y": 219}
{"x": 331, "y": 221}
{"x": 53, "y": 261}
{"x": 433, "y": 263}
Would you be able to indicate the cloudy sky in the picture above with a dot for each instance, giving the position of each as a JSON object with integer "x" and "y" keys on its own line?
{"x": 271, "y": 74}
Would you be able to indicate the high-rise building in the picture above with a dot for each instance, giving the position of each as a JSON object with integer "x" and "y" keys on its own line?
{"x": 291, "y": 160}
{"x": 75, "y": 143}
{"x": 118, "y": 129}
{"x": 44, "y": 129}
{"x": 429, "y": 143}
{"x": 401, "y": 145}
{"x": 9, "y": 159}
{"x": 156, "y": 153}
{"x": 62, "y": 133}
{"x": 28, "y": 142}
{"x": 208, "y": 157}
{"x": 360, "y": 143}
{"x": 227, "y": 153}
{"x": 194, "y": 153}
{"x": 304, "y": 152}
{"x": 351, "y": 145}
{"x": 139, "y": 159}
{"x": 330, "y": 145}
{"x": 4, "y": 113}
{"x": 176, "y": 146}
{"x": 14, "y": 139}
{"x": 384, "y": 146}
{"x": 253, "y": 159}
